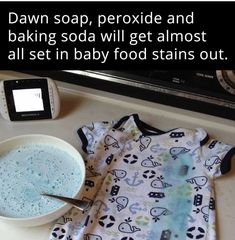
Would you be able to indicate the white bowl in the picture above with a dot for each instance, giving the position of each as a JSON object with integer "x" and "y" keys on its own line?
{"x": 18, "y": 141}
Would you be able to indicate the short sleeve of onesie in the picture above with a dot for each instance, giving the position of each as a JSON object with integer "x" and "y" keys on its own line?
{"x": 217, "y": 157}
{"x": 144, "y": 183}
{"x": 90, "y": 134}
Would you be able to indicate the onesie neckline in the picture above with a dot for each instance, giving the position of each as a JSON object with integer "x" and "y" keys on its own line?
{"x": 148, "y": 130}
{"x": 144, "y": 128}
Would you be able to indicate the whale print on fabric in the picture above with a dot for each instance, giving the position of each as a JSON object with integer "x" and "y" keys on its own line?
{"x": 145, "y": 184}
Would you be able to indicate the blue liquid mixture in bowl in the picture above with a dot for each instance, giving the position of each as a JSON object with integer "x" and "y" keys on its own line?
{"x": 30, "y": 169}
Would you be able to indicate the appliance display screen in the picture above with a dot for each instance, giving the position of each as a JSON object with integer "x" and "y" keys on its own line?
{"x": 27, "y": 100}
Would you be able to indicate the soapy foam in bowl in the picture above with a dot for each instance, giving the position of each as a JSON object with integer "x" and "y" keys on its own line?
{"x": 31, "y": 165}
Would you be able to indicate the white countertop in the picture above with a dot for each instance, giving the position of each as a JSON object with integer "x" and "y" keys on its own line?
{"x": 82, "y": 105}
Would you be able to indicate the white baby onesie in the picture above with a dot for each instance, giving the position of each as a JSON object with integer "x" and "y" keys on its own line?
{"x": 144, "y": 183}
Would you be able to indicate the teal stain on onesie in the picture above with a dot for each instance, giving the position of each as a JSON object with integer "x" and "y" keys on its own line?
{"x": 177, "y": 203}
{"x": 178, "y": 198}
